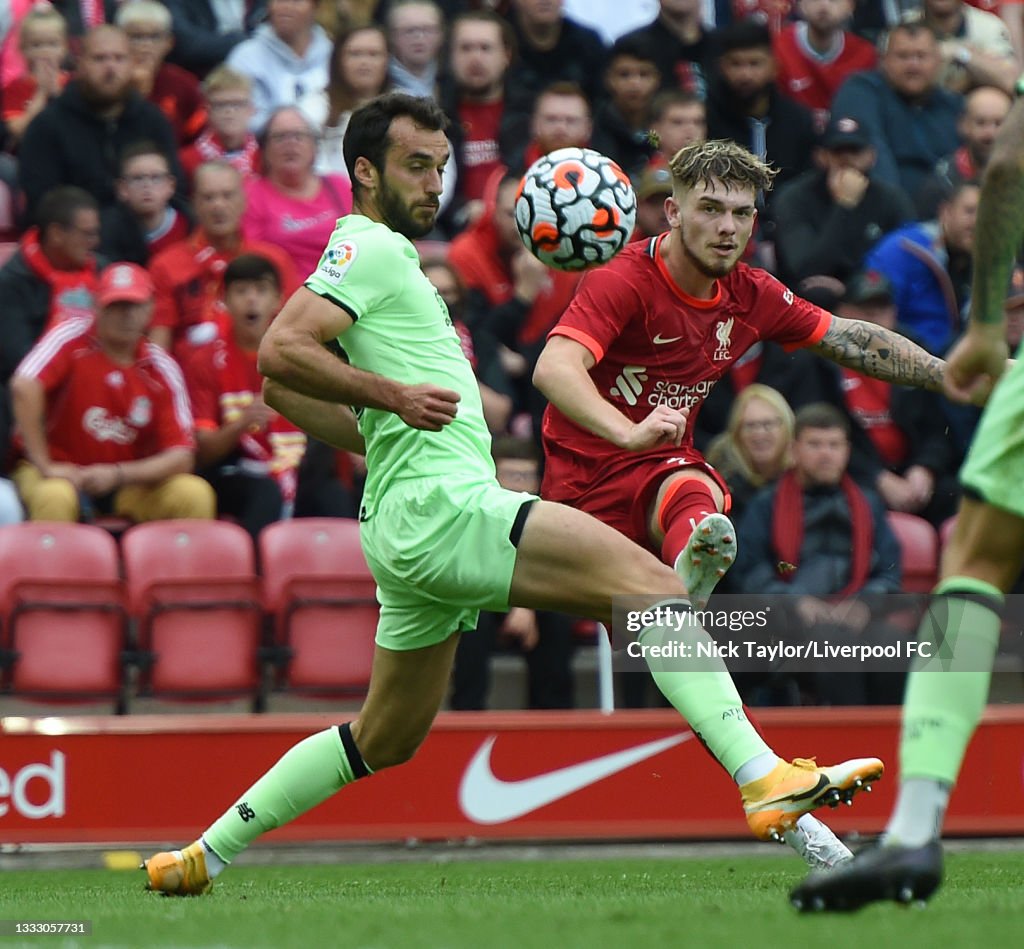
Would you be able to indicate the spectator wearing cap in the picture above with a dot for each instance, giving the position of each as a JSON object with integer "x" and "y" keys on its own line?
{"x": 816, "y": 53}
{"x": 652, "y": 188}
{"x": 899, "y": 443}
{"x": 104, "y": 416}
{"x": 907, "y": 115}
{"x": 929, "y": 265}
{"x": 831, "y": 216}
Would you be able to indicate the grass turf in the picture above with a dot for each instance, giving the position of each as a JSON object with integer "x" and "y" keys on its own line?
{"x": 706, "y": 903}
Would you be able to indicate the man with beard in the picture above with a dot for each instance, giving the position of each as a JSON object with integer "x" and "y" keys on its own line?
{"x": 442, "y": 538}
{"x": 744, "y": 104}
{"x": 80, "y": 135}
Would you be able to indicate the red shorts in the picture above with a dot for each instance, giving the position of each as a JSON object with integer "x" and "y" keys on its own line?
{"x": 622, "y": 497}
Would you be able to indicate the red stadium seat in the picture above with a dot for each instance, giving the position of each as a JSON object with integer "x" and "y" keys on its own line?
{"x": 193, "y": 591}
{"x": 62, "y": 603}
{"x": 322, "y": 597}
{"x": 919, "y": 548}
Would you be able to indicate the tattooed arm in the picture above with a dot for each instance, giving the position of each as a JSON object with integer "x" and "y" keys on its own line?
{"x": 881, "y": 353}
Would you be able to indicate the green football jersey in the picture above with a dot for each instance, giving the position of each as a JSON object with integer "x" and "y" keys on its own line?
{"x": 403, "y": 331}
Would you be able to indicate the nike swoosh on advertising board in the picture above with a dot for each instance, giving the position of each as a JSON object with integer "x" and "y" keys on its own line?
{"x": 660, "y": 341}
{"x": 487, "y": 799}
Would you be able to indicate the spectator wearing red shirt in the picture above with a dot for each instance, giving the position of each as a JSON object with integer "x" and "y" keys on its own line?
{"x": 248, "y": 453}
{"x": 817, "y": 53}
{"x": 479, "y": 57}
{"x": 187, "y": 275}
{"x": 174, "y": 90}
{"x": 104, "y": 416}
{"x": 43, "y": 41}
{"x": 229, "y": 107}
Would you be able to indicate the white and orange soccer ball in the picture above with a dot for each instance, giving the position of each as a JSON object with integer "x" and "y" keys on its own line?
{"x": 575, "y": 209}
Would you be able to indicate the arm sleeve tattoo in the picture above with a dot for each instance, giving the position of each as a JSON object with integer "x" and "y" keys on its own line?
{"x": 880, "y": 353}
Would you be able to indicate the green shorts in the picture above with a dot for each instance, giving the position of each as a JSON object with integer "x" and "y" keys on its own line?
{"x": 994, "y": 469}
{"x": 440, "y": 552}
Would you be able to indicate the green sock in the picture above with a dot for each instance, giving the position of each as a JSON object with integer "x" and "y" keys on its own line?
{"x": 305, "y": 775}
{"x": 946, "y": 694}
{"x": 702, "y": 691}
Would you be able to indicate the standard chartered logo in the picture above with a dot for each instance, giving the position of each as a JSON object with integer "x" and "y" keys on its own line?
{"x": 629, "y": 384}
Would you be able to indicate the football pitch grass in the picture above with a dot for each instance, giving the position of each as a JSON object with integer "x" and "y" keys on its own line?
{"x": 557, "y": 904}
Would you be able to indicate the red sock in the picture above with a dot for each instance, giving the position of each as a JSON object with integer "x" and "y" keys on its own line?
{"x": 685, "y": 504}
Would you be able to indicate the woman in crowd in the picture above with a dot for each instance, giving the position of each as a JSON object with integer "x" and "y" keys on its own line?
{"x": 358, "y": 73}
{"x": 754, "y": 450}
{"x": 292, "y": 205}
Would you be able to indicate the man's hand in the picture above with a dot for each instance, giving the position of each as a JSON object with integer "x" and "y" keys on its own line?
{"x": 974, "y": 366}
{"x": 664, "y": 426}
{"x": 847, "y": 186}
{"x": 521, "y": 624}
{"x": 256, "y": 416}
{"x": 100, "y": 480}
{"x": 428, "y": 407}
{"x": 529, "y": 276}
{"x": 61, "y": 469}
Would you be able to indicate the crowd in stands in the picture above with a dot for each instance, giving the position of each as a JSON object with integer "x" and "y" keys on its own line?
{"x": 171, "y": 170}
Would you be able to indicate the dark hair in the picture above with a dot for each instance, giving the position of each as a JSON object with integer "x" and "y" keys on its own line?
{"x": 138, "y": 149}
{"x": 743, "y": 34}
{"x": 369, "y": 129}
{"x": 911, "y": 27}
{"x": 511, "y": 448}
{"x": 820, "y": 415}
{"x": 340, "y": 96}
{"x": 60, "y": 205}
{"x": 635, "y": 47}
{"x": 251, "y": 267}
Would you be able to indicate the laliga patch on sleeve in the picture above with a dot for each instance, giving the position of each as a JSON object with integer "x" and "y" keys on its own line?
{"x": 337, "y": 260}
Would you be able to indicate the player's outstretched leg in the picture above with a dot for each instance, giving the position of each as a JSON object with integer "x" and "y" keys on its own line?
{"x": 406, "y": 690}
{"x": 945, "y": 698}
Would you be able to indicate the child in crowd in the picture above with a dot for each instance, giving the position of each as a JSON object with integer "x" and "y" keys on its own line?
{"x": 145, "y": 219}
{"x": 43, "y": 41}
{"x": 229, "y": 108}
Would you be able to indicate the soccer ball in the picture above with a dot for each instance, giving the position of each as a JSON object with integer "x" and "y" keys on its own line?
{"x": 575, "y": 209}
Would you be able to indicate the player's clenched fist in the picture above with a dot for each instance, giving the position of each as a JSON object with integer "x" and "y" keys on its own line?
{"x": 664, "y": 426}
{"x": 427, "y": 406}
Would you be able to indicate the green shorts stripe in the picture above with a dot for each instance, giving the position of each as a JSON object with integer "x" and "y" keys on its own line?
{"x": 440, "y": 552}
{"x": 994, "y": 468}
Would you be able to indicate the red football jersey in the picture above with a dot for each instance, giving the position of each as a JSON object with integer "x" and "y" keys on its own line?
{"x": 222, "y": 382}
{"x": 656, "y": 345}
{"x": 98, "y": 411}
{"x": 811, "y": 79}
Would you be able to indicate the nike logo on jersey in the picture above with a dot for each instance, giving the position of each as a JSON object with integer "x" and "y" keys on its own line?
{"x": 660, "y": 340}
{"x": 487, "y": 799}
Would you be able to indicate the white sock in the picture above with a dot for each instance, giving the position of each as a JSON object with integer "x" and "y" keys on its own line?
{"x": 214, "y": 864}
{"x": 756, "y": 768}
{"x": 917, "y": 817}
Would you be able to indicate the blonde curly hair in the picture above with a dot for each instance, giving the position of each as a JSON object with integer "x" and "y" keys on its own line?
{"x": 720, "y": 159}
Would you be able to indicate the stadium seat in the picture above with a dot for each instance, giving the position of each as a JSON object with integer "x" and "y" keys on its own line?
{"x": 192, "y": 589}
{"x": 322, "y": 597}
{"x": 62, "y": 603}
{"x": 919, "y": 548}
